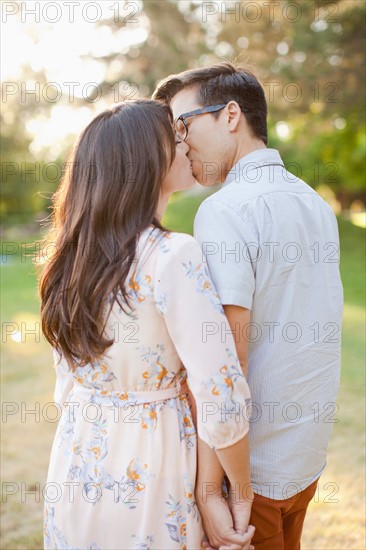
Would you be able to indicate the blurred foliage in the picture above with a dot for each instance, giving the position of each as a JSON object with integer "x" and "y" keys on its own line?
{"x": 309, "y": 56}
{"x": 27, "y": 181}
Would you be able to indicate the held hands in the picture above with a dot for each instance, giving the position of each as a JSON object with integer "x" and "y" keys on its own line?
{"x": 225, "y": 522}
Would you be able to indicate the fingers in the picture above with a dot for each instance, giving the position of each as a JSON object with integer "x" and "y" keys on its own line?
{"x": 235, "y": 547}
{"x": 224, "y": 544}
{"x": 231, "y": 547}
{"x": 242, "y": 539}
{"x": 233, "y": 541}
{"x": 250, "y": 531}
{"x": 229, "y": 541}
{"x": 249, "y": 535}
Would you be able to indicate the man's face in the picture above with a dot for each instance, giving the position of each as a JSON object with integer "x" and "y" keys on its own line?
{"x": 205, "y": 138}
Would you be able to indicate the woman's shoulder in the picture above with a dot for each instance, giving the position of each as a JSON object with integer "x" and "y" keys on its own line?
{"x": 169, "y": 247}
{"x": 173, "y": 242}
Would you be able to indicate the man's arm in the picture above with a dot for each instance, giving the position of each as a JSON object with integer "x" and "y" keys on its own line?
{"x": 239, "y": 319}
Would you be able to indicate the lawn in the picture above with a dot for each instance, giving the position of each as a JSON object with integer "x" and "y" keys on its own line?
{"x": 336, "y": 516}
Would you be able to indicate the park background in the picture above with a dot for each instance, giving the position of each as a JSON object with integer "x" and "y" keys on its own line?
{"x": 62, "y": 65}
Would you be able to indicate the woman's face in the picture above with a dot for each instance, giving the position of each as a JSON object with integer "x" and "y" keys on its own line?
{"x": 180, "y": 175}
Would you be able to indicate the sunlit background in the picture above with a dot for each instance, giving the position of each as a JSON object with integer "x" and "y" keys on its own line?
{"x": 63, "y": 62}
{"x": 69, "y": 57}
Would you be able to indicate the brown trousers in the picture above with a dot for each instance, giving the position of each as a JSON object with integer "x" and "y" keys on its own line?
{"x": 278, "y": 523}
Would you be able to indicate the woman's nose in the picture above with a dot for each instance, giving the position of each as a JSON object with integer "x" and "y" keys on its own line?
{"x": 185, "y": 146}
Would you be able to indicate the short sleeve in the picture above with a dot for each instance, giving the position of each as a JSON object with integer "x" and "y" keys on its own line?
{"x": 64, "y": 379}
{"x": 226, "y": 242}
{"x": 198, "y": 327}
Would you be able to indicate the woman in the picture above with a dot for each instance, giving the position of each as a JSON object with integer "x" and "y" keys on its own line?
{"x": 124, "y": 304}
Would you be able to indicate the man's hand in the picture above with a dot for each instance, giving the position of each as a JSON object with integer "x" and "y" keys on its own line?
{"x": 218, "y": 524}
{"x": 240, "y": 505}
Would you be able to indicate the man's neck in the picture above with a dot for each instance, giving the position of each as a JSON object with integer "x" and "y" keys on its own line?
{"x": 245, "y": 149}
{"x": 240, "y": 151}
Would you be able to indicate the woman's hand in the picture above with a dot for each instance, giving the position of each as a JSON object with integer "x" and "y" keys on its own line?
{"x": 218, "y": 524}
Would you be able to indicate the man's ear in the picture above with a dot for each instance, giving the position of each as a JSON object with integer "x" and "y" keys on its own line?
{"x": 233, "y": 113}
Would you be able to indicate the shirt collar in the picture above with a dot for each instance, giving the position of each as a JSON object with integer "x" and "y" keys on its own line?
{"x": 260, "y": 157}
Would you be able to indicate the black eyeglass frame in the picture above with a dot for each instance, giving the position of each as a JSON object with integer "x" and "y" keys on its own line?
{"x": 201, "y": 111}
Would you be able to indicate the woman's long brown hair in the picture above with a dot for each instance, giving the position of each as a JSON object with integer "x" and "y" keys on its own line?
{"x": 108, "y": 195}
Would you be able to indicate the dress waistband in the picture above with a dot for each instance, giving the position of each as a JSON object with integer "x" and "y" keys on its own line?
{"x": 122, "y": 398}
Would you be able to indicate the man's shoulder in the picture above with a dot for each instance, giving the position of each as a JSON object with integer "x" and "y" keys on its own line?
{"x": 231, "y": 201}
{"x": 244, "y": 191}
{"x": 220, "y": 215}
{"x": 215, "y": 204}
{"x": 216, "y": 198}
{"x": 229, "y": 196}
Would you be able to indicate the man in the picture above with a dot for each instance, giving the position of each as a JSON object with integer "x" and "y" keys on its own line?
{"x": 272, "y": 248}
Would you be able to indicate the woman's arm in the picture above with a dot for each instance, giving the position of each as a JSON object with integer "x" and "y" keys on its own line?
{"x": 209, "y": 469}
{"x": 194, "y": 317}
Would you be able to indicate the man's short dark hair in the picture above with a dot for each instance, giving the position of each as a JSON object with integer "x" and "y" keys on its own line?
{"x": 219, "y": 84}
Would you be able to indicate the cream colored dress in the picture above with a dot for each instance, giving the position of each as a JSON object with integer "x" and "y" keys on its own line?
{"x": 123, "y": 462}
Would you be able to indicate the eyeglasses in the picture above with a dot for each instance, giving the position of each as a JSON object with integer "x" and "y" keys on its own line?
{"x": 180, "y": 127}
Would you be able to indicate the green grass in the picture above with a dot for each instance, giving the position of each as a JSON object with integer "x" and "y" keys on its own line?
{"x": 352, "y": 262}
{"x": 182, "y": 207}
{"x": 27, "y": 378}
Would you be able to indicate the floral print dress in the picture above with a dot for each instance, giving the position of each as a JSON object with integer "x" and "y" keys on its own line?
{"x": 123, "y": 462}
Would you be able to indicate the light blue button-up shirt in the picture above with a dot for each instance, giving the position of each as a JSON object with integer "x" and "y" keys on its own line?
{"x": 272, "y": 246}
